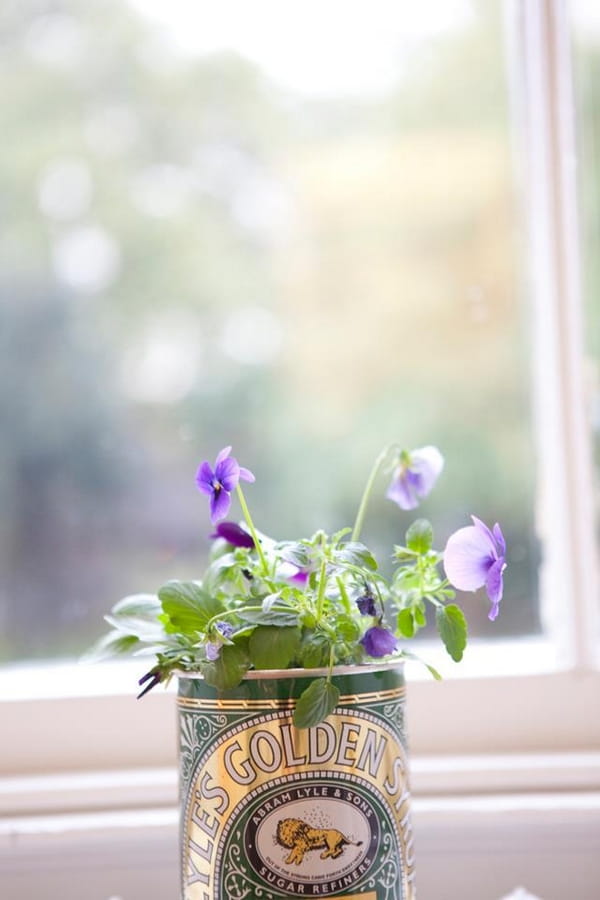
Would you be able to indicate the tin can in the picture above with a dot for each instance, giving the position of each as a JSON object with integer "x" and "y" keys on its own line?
{"x": 271, "y": 812}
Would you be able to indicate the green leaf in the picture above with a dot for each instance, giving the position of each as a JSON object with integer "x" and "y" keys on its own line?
{"x": 137, "y": 615}
{"x": 315, "y": 703}
{"x": 337, "y": 537}
{"x": 296, "y": 553}
{"x": 406, "y": 623}
{"x": 271, "y": 647}
{"x": 188, "y": 606}
{"x": 419, "y": 615}
{"x": 114, "y": 643}
{"x": 356, "y": 554}
{"x": 281, "y": 619}
{"x": 403, "y": 554}
{"x": 228, "y": 670}
{"x": 452, "y": 627}
{"x": 315, "y": 650}
{"x": 347, "y": 629}
{"x": 419, "y": 537}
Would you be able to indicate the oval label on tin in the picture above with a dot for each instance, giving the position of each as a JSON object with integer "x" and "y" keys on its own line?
{"x": 316, "y": 833}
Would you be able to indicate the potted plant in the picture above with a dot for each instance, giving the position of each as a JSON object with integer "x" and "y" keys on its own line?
{"x": 289, "y": 656}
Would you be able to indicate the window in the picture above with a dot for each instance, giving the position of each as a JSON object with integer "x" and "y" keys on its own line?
{"x": 203, "y": 251}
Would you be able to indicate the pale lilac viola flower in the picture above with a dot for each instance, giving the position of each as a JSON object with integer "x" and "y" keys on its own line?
{"x": 476, "y": 556}
{"x": 378, "y": 641}
{"x": 220, "y": 482}
{"x": 233, "y": 534}
{"x": 213, "y": 648}
{"x": 414, "y": 476}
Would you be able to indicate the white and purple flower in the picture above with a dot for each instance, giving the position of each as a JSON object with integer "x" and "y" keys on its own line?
{"x": 213, "y": 648}
{"x": 414, "y": 476}
{"x": 476, "y": 556}
{"x": 220, "y": 482}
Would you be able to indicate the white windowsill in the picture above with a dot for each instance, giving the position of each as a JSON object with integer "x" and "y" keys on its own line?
{"x": 67, "y": 678}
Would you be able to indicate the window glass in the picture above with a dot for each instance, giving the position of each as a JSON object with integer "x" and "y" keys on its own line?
{"x": 286, "y": 227}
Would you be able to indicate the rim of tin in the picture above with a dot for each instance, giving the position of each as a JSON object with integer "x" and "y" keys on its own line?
{"x": 255, "y": 674}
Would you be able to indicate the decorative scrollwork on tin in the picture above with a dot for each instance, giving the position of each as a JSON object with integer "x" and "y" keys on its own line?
{"x": 394, "y": 713}
{"x": 237, "y": 877}
{"x": 208, "y": 725}
{"x": 388, "y": 876}
{"x": 195, "y": 730}
{"x": 188, "y": 748}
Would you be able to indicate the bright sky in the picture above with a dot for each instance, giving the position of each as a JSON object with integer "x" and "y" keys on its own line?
{"x": 312, "y": 46}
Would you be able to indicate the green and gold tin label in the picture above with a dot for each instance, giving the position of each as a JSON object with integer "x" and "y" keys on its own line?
{"x": 272, "y": 812}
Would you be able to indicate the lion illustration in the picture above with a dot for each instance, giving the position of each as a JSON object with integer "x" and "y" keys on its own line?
{"x": 299, "y": 837}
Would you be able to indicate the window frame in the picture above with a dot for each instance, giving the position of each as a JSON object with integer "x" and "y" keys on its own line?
{"x": 93, "y": 724}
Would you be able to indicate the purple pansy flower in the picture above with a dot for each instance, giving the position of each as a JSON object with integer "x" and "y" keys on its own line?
{"x": 414, "y": 476}
{"x": 219, "y": 484}
{"x": 213, "y": 648}
{"x": 366, "y": 605}
{"x": 378, "y": 641}
{"x": 233, "y": 534}
{"x": 475, "y": 556}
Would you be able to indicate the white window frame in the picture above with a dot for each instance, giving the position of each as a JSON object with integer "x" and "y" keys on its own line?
{"x": 75, "y": 722}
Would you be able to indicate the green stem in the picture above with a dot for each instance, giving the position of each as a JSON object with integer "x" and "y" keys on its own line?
{"x": 367, "y": 493}
{"x": 250, "y": 524}
{"x": 344, "y": 595}
{"x": 331, "y": 663}
{"x": 321, "y": 594}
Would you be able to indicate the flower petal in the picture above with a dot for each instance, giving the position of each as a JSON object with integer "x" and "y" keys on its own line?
{"x": 204, "y": 478}
{"x": 500, "y": 542}
{"x": 402, "y": 490}
{"x": 427, "y": 462}
{"x": 246, "y": 475}
{"x": 223, "y": 454}
{"x": 366, "y": 605}
{"x": 494, "y": 587}
{"x": 220, "y": 502}
{"x": 378, "y": 642}
{"x": 227, "y": 472}
{"x": 488, "y": 533}
{"x": 233, "y": 534}
{"x": 467, "y": 558}
{"x": 212, "y": 650}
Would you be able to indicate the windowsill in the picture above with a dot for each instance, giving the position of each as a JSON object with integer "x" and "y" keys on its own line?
{"x": 506, "y": 698}
{"x": 66, "y": 678}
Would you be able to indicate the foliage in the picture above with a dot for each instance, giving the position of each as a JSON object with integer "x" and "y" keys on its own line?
{"x": 314, "y": 603}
